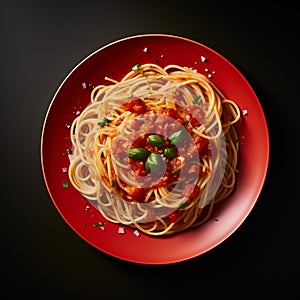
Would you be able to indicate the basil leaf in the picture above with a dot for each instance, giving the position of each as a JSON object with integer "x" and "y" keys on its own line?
{"x": 169, "y": 153}
{"x": 137, "y": 153}
{"x": 156, "y": 140}
{"x": 177, "y": 137}
{"x": 153, "y": 163}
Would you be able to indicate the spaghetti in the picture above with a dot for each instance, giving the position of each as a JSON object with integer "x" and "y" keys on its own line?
{"x": 157, "y": 150}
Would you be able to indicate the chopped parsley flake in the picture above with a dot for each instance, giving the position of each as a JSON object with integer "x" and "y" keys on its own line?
{"x": 182, "y": 205}
{"x": 197, "y": 99}
{"x": 65, "y": 184}
{"x": 98, "y": 224}
{"x": 135, "y": 67}
{"x": 104, "y": 122}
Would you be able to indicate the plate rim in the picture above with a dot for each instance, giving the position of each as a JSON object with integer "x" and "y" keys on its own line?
{"x": 232, "y": 66}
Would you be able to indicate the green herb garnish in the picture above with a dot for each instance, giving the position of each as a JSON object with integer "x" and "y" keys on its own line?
{"x": 98, "y": 224}
{"x": 197, "y": 99}
{"x": 182, "y": 205}
{"x": 135, "y": 67}
{"x": 169, "y": 152}
{"x": 65, "y": 184}
{"x": 156, "y": 140}
{"x": 138, "y": 153}
{"x": 177, "y": 137}
{"x": 104, "y": 122}
{"x": 153, "y": 163}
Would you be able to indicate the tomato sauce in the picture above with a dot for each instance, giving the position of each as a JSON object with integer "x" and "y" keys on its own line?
{"x": 187, "y": 158}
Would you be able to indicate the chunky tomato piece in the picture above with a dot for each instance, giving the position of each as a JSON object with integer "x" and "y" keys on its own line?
{"x": 136, "y": 105}
{"x": 136, "y": 124}
{"x": 191, "y": 190}
{"x": 139, "y": 194}
{"x": 195, "y": 116}
{"x": 173, "y": 216}
{"x": 172, "y": 113}
{"x": 139, "y": 142}
{"x": 142, "y": 142}
{"x": 160, "y": 184}
{"x": 201, "y": 144}
{"x": 138, "y": 167}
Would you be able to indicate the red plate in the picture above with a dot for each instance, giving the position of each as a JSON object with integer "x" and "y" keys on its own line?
{"x": 115, "y": 60}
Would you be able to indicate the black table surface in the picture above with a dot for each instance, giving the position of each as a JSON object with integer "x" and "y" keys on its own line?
{"x": 41, "y": 256}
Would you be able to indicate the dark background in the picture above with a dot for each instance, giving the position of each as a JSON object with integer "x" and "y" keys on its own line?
{"x": 41, "y": 41}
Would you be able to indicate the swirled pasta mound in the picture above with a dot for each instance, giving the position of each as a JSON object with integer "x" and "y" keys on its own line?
{"x": 157, "y": 150}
